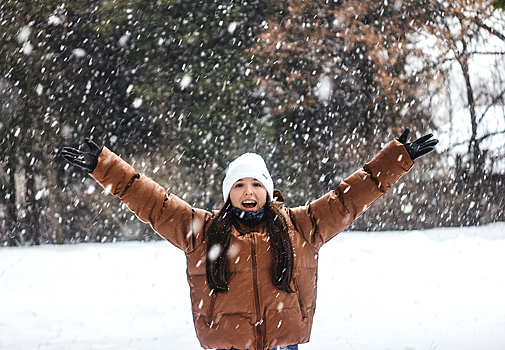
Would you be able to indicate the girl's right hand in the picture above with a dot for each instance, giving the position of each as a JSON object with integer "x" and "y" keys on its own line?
{"x": 86, "y": 160}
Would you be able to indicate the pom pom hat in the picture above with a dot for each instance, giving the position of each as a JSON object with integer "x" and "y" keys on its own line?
{"x": 247, "y": 165}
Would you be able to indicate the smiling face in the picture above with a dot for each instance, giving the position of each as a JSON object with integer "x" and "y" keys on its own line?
{"x": 248, "y": 194}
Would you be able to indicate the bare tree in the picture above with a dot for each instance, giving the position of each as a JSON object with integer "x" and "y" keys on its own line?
{"x": 469, "y": 37}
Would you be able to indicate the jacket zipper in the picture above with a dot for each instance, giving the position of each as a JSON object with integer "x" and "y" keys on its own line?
{"x": 300, "y": 302}
{"x": 259, "y": 319}
{"x": 210, "y": 313}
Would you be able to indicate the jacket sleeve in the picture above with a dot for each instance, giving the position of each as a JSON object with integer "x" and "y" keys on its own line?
{"x": 324, "y": 218}
{"x": 171, "y": 217}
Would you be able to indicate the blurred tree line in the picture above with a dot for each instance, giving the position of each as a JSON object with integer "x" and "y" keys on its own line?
{"x": 180, "y": 88}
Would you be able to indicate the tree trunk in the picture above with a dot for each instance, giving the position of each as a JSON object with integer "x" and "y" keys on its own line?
{"x": 473, "y": 147}
{"x": 54, "y": 209}
{"x": 12, "y": 212}
{"x": 32, "y": 210}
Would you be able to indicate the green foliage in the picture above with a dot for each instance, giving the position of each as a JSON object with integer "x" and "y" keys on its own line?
{"x": 190, "y": 62}
{"x": 499, "y": 4}
{"x": 189, "y": 58}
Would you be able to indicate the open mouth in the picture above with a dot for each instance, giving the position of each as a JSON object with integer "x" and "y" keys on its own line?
{"x": 249, "y": 204}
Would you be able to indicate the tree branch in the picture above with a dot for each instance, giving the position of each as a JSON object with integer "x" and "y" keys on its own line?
{"x": 493, "y": 102}
{"x": 462, "y": 143}
{"x": 487, "y": 53}
{"x": 491, "y": 30}
{"x": 489, "y": 135}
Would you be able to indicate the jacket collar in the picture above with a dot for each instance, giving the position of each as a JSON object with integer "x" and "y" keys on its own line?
{"x": 278, "y": 199}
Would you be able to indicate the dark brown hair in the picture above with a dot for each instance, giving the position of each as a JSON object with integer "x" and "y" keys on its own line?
{"x": 218, "y": 241}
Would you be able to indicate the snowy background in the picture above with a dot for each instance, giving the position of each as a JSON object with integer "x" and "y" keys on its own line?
{"x": 174, "y": 91}
{"x": 433, "y": 289}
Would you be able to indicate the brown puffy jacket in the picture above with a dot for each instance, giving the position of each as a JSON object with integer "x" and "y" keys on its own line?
{"x": 253, "y": 314}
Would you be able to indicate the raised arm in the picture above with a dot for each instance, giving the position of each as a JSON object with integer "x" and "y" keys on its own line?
{"x": 171, "y": 217}
{"x": 324, "y": 218}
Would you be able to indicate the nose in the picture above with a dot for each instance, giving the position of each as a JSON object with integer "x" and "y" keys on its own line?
{"x": 248, "y": 189}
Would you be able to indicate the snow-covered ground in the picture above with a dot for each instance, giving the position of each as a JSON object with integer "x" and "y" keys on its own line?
{"x": 436, "y": 289}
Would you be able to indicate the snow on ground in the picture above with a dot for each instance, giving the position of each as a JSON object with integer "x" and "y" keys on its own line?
{"x": 433, "y": 289}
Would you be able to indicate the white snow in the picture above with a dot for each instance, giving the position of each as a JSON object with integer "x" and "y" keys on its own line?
{"x": 55, "y": 20}
{"x": 407, "y": 208}
{"x": 27, "y": 48}
{"x": 23, "y": 35}
{"x": 323, "y": 88}
{"x": 124, "y": 39}
{"x": 433, "y": 289}
{"x": 39, "y": 89}
{"x": 79, "y": 53}
{"x": 214, "y": 252}
{"x": 185, "y": 81}
{"x": 232, "y": 26}
{"x": 137, "y": 103}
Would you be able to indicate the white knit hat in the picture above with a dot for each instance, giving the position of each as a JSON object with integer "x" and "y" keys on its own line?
{"x": 248, "y": 165}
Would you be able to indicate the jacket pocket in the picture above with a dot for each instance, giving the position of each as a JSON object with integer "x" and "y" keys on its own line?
{"x": 300, "y": 300}
{"x": 210, "y": 311}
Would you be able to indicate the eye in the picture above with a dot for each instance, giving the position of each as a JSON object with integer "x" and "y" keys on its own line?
{"x": 239, "y": 185}
{"x": 258, "y": 184}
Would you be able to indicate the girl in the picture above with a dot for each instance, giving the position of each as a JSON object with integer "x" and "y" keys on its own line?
{"x": 252, "y": 265}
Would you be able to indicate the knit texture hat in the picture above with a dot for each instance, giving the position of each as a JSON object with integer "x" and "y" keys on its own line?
{"x": 248, "y": 165}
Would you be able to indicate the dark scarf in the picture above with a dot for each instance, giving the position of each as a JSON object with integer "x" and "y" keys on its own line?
{"x": 249, "y": 217}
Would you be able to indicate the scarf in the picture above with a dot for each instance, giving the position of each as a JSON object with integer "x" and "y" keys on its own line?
{"x": 250, "y": 217}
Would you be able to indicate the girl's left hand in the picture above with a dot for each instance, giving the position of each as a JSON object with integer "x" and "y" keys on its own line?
{"x": 419, "y": 147}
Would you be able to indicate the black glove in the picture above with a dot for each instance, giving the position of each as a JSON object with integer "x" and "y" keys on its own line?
{"x": 419, "y": 147}
{"x": 87, "y": 160}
